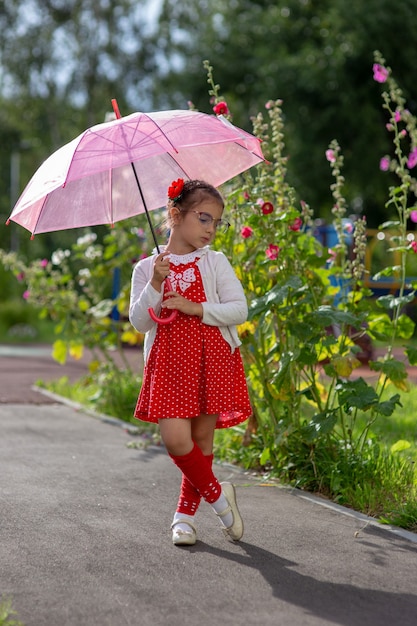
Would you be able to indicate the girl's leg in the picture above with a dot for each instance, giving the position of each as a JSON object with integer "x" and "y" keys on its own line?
{"x": 202, "y": 433}
{"x": 188, "y": 456}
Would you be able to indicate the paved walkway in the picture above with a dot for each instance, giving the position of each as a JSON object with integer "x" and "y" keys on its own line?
{"x": 85, "y": 540}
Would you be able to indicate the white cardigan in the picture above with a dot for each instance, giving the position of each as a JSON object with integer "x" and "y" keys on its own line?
{"x": 226, "y": 304}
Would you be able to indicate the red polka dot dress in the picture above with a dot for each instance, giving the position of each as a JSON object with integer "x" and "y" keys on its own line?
{"x": 191, "y": 369}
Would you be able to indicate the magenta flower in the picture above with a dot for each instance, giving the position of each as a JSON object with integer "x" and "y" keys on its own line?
{"x": 380, "y": 73}
{"x": 296, "y": 225}
{"x": 331, "y": 156}
{"x": 413, "y": 246}
{"x": 20, "y": 277}
{"x": 246, "y": 195}
{"x": 272, "y": 251}
{"x": 221, "y": 108}
{"x": 397, "y": 116}
{"x": 43, "y": 262}
{"x": 412, "y": 159}
{"x": 246, "y": 232}
{"x": 26, "y": 294}
{"x": 384, "y": 164}
{"x": 413, "y": 216}
{"x": 267, "y": 208}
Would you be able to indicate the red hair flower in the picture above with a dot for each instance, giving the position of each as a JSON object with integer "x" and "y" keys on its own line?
{"x": 175, "y": 189}
{"x": 221, "y": 108}
{"x": 267, "y": 207}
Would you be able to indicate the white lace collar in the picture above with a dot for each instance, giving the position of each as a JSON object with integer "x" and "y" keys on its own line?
{"x": 183, "y": 259}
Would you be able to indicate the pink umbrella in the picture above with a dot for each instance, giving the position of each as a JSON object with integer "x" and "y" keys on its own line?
{"x": 122, "y": 168}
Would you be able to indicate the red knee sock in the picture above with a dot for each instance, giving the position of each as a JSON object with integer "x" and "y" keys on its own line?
{"x": 189, "y": 499}
{"x": 195, "y": 467}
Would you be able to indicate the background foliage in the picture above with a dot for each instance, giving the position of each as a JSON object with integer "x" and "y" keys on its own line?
{"x": 61, "y": 63}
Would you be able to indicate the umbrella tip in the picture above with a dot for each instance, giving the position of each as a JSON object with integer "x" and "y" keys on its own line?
{"x": 32, "y": 237}
{"x": 116, "y": 108}
{"x": 112, "y": 225}
{"x": 7, "y": 222}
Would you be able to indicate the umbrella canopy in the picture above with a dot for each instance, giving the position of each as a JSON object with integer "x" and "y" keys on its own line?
{"x": 122, "y": 168}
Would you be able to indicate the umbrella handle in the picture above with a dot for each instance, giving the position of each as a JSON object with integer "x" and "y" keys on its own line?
{"x": 162, "y": 320}
{"x": 171, "y": 317}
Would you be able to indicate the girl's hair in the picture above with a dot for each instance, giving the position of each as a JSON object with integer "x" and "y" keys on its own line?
{"x": 194, "y": 191}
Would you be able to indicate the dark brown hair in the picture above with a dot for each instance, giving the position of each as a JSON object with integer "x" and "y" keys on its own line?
{"x": 194, "y": 192}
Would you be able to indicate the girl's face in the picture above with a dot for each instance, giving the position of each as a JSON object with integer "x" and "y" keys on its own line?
{"x": 197, "y": 228}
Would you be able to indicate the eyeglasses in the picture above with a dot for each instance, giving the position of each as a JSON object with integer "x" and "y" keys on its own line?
{"x": 207, "y": 220}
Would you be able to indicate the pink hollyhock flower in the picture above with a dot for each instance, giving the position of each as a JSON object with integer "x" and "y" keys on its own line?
{"x": 246, "y": 232}
{"x": 397, "y": 116}
{"x": 348, "y": 227}
{"x": 246, "y": 195}
{"x": 25, "y": 294}
{"x": 296, "y": 225}
{"x": 332, "y": 255}
{"x": 389, "y": 126}
{"x": 403, "y": 133}
{"x": 268, "y": 105}
{"x": 384, "y": 164}
{"x": 414, "y": 246}
{"x": 272, "y": 251}
{"x": 412, "y": 159}
{"x": 44, "y": 262}
{"x": 20, "y": 277}
{"x": 221, "y": 108}
{"x": 267, "y": 208}
{"x": 380, "y": 73}
{"x": 331, "y": 156}
{"x": 413, "y": 216}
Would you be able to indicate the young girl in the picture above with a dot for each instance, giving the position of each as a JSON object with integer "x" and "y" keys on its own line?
{"x": 193, "y": 378}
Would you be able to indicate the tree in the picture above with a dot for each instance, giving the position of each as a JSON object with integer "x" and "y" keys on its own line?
{"x": 317, "y": 56}
{"x": 61, "y": 64}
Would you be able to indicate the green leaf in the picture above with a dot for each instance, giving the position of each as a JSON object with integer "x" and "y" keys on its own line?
{"x": 265, "y": 456}
{"x": 405, "y": 327}
{"x": 356, "y": 394}
{"x": 380, "y": 326}
{"x": 327, "y": 316}
{"x": 387, "y": 271}
{"x": 325, "y": 422}
{"x": 276, "y": 296}
{"x": 400, "y": 445}
{"x": 412, "y": 355}
{"x": 392, "y": 368}
{"x": 390, "y": 302}
{"x": 387, "y": 407}
{"x": 390, "y": 224}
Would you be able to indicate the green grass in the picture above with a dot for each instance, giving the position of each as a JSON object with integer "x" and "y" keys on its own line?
{"x": 110, "y": 391}
{"x": 401, "y": 425}
{"x": 7, "y": 613}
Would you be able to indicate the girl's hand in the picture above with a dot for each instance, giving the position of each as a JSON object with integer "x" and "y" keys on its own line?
{"x": 176, "y": 301}
{"x": 160, "y": 270}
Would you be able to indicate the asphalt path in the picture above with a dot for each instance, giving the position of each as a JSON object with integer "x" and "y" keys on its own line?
{"x": 85, "y": 539}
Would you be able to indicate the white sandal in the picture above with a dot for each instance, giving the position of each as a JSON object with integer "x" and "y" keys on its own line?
{"x": 182, "y": 537}
{"x": 235, "y": 531}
